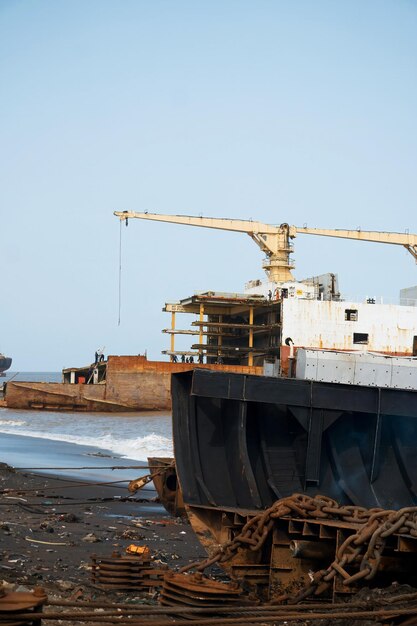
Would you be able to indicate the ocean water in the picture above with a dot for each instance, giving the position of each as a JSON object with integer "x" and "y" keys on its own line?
{"x": 129, "y": 435}
{"x": 51, "y": 438}
{"x": 38, "y": 377}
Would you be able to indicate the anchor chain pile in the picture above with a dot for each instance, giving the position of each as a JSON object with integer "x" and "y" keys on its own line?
{"x": 361, "y": 551}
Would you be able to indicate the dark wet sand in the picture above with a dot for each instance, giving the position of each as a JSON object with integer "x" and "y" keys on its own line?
{"x": 62, "y": 511}
{"x": 34, "y": 452}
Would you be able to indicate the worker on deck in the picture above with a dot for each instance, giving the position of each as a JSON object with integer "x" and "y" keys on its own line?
{"x": 183, "y": 358}
{"x": 99, "y": 355}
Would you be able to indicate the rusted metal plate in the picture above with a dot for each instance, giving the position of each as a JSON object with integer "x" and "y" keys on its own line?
{"x": 197, "y": 590}
{"x": 166, "y": 483}
{"x": 28, "y": 604}
{"x": 125, "y": 572}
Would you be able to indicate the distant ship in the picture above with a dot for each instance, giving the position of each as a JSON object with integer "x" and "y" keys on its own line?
{"x": 5, "y": 363}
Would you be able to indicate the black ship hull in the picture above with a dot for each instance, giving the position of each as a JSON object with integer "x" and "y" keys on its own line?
{"x": 253, "y": 452}
{"x": 5, "y": 363}
{"x": 242, "y": 442}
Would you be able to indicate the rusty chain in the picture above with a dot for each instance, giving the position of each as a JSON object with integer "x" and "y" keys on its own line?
{"x": 362, "y": 550}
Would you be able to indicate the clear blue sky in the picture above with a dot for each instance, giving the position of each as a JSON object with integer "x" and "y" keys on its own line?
{"x": 281, "y": 111}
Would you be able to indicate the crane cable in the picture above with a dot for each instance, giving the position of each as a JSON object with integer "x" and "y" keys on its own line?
{"x": 120, "y": 271}
{"x": 120, "y": 265}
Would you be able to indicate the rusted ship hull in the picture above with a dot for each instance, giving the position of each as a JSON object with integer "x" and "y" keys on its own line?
{"x": 128, "y": 383}
{"x": 165, "y": 481}
{"x": 242, "y": 443}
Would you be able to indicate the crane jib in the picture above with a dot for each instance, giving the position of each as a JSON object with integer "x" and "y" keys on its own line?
{"x": 274, "y": 241}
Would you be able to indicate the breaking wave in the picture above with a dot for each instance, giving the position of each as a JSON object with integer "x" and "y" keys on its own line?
{"x": 124, "y": 435}
{"x": 141, "y": 447}
{"x": 11, "y": 423}
{"x": 138, "y": 448}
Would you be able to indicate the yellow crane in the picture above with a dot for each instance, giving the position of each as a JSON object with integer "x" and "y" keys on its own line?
{"x": 274, "y": 241}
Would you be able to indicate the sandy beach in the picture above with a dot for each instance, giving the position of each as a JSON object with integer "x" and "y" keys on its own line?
{"x": 50, "y": 526}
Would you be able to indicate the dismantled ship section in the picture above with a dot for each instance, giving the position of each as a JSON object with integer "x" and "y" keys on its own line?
{"x": 122, "y": 383}
{"x": 245, "y": 328}
{"x": 266, "y": 326}
{"x": 242, "y": 443}
{"x": 237, "y": 329}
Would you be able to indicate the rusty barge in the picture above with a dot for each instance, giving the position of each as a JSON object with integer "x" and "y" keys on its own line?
{"x": 120, "y": 384}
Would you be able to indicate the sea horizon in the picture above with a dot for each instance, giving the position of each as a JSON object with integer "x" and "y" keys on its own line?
{"x": 32, "y": 376}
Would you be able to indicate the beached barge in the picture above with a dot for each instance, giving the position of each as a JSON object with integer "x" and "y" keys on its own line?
{"x": 123, "y": 383}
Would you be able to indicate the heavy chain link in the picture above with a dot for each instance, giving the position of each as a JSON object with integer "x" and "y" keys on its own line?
{"x": 362, "y": 549}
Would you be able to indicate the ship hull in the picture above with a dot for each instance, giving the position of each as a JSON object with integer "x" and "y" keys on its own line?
{"x": 132, "y": 383}
{"x": 242, "y": 442}
{"x": 5, "y": 364}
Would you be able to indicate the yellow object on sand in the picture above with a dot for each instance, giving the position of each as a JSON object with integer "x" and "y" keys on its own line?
{"x": 142, "y": 551}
